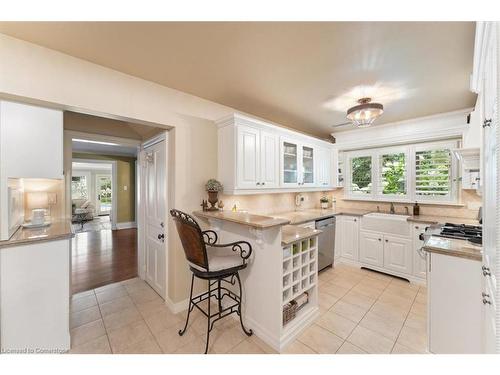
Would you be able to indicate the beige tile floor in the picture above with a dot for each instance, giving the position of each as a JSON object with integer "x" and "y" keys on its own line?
{"x": 360, "y": 312}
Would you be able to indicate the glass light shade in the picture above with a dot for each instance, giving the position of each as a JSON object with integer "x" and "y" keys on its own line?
{"x": 363, "y": 115}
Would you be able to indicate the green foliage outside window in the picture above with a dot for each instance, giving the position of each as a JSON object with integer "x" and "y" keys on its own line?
{"x": 393, "y": 167}
{"x": 361, "y": 174}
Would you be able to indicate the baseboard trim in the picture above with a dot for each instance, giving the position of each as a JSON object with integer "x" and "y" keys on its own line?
{"x": 177, "y": 307}
{"x": 126, "y": 225}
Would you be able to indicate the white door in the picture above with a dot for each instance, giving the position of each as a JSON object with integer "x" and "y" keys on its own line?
{"x": 350, "y": 237}
{"x": 397, "y": 254}
{"x": 269, "y": 160}
{"x": 248, "y": 157}
{"x": 371, "y": 248}
{"x": 103, "y": 194}
{"x": 155, "y": 210}
{"x": 419, "y": 261}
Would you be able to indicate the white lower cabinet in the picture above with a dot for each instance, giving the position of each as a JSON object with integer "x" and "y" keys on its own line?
{"x": 397, "y": 254}
{"x": 371, "y": 249}
{"x": 350, "y": 237}
{"x": 454, "y": 305}
{"x": 387, "y": 252}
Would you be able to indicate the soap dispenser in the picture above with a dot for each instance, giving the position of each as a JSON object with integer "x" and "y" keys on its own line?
{"x": 416, "y": 209}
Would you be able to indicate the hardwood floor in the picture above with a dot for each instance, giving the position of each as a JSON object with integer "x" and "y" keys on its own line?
{"x": 103, "y": 257}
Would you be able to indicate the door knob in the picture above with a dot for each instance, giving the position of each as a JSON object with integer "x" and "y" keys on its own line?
{"x": 386, "y": 240}
{"x": 380, "y": 239}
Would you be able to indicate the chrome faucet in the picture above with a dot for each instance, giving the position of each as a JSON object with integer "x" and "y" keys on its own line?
{"x": 392, "y": 208}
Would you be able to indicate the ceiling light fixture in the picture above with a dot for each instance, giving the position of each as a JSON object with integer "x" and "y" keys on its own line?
{"x": 95, "y": 142}
{"x": 365, "y": 113}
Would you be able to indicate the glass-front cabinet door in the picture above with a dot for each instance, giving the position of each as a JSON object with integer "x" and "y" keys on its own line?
{"x": 290, "y": 163}
{"x": 297, "y": 164}
{"x": 307, "y": 165}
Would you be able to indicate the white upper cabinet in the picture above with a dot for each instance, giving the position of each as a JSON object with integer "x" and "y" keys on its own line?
{"x": 269, "y": 162}
{"x": 31, "y": 141}
{"x": 248, "y": 165}
{"x": 324, "y": 167}
{"x": 254, "y": 157}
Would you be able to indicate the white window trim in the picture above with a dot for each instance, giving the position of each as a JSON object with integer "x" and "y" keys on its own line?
{"x": 410, "y": 197}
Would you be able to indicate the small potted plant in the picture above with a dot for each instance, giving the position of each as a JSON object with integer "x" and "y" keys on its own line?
{"x": 324, "y": 201}
{"x": 213, "y": 187}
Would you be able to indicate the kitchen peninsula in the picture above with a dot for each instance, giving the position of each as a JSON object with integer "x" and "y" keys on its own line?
{"x": 282, "y": 269}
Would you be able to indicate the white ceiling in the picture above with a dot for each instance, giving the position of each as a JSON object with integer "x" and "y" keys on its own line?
{"x": 301, "y": 74}
{"x": 94, "y": 148}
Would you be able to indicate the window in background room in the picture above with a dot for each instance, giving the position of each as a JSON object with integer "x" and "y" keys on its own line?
{"x": 79, "y": 187}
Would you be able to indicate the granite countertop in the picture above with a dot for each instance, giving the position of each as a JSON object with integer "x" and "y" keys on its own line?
{"x": 57, "y": 230}
{"x": 292, "y": 233}
{"x": 428, "y": 219}
{"x": 304, "y": 216}
{"x": 244, "y": 218}
{"x": 453, "y": 247}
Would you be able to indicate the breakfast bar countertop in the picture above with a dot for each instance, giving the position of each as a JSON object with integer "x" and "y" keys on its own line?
{"x": 57, "y": 230}
{"x": 292, "y": 233}
{"x": 453, "y": 247}
{"x": 244, "y": 218}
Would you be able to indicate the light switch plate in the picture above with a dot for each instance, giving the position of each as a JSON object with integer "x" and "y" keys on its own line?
{"x": 125, "y": 187}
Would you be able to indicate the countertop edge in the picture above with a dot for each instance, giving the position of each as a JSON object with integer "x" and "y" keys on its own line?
{"x": 453, "y": 253}
{"x": 273, "y": 221}
{"x": 13, "y": 242}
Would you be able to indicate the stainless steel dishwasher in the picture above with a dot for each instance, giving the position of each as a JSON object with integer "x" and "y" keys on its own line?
{"x": 326, "y": 242}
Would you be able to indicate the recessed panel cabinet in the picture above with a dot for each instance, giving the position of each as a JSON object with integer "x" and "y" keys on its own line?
{"x": 371, "y": 249}
{"x": 397, "y": 254}
{"x": 350, "y": 237}
{"x": 257, "y": 157}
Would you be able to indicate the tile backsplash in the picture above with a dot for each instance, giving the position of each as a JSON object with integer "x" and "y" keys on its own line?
{"x": 281, "y": 202}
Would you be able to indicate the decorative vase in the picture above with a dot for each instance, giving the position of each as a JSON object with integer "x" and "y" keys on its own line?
{"x": 324, "y": 204}
{"x": 213, "y": 198}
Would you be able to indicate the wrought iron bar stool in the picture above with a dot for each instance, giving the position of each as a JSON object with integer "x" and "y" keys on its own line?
{"x": 219, "y": 266}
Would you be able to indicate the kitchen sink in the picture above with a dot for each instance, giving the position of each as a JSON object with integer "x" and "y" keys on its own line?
{"x": 386, "y": 223}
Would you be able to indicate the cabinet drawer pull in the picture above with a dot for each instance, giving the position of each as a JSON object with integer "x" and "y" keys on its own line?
{"x": 485, "y": 295}
{"x": 263, "y": 183}
{"x": 487, "y": 122}
{"x": 386, "y": 240}
{"x": 380, "y": 239}
{"x": 258, "y": 183}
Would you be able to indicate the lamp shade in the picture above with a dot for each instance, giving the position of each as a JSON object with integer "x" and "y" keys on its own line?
{"x": 38, "y": 199}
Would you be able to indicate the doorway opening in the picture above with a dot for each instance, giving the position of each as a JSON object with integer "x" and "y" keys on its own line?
{"x": 104, "y": 163}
